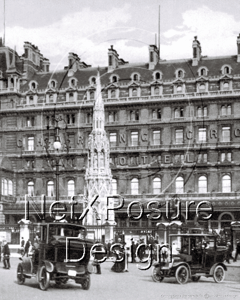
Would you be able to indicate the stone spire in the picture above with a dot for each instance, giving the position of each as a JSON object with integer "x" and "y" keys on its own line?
{"x": 98, "y": 175}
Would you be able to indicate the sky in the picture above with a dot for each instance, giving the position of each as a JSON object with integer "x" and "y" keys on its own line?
{"x": 89, "y": 27}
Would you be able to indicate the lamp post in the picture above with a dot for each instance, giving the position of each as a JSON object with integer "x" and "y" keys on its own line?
{"x": 58, "y": 147}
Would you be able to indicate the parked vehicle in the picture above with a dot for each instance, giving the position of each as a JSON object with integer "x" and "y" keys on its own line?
{"x": 196, "y": 255}
{"x": 49, "y": 261}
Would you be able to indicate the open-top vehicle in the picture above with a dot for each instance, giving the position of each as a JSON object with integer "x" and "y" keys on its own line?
{"x": 61, "y": 253}
{"x": 191, "y": 256}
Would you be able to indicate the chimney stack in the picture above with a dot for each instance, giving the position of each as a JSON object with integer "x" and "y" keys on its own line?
{"x": 238, "y": 48}
{"x": 153, "y": 56}
{"x": 196, "y": 51}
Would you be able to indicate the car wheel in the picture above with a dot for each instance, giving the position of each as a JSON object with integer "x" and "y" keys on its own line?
{"x": 218, "y": 274}
{"x": 196, "y": 278}
{"x": 157, "y": 274}
{"x": 86, "y": 283}
{"x": 20, "y": 275}
{"x": 182, "y": 274}
{"x": 43, "y": 278}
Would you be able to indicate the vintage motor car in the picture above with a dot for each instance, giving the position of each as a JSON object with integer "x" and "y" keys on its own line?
{"x": 61, "y": 253}
{"x": 190, "y": 256}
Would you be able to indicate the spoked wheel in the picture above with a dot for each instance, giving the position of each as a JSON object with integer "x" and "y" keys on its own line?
{"x": 182, "y": 274}
{"x": 218, "y": 274}
{"x": 44, "y": 278}
{"x": 196, "y": 278}
{"x": 20, "y": 276}
{"x": 157, "y": 274}
{"x": 86, "y": 282}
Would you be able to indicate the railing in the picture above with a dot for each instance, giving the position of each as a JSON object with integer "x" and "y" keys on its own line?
{"x": 138, "y": 99}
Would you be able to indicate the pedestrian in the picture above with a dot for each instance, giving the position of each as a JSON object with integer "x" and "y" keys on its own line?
{"x": 30, "y": 249}
{"x": 237, "y": 249}
{"x": 22, "y": 243}
{"x": 98, "y": 256}
{"x": 119, "y": 264}
{"x": 6, "y": 255}
{"x": 26, "y": 248}
{"x": 0, "y": 251}
{"x": 133, "y": 251}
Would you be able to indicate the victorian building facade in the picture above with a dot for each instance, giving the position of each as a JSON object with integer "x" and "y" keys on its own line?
{"x": 173, "y": 130}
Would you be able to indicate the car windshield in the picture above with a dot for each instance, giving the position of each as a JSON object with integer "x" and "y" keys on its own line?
{"x": 66, "y": 230}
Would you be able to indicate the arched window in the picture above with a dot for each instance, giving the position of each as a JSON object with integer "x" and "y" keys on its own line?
{"x": 113, "y": 94}
{"x": 205, "y": 111}
{"x": 71, "y": 97}
{"x": 135, "y": 77}
{"x": 4, "y": 187}
{"x": 50, "y": 189}
{"x": 226, "y": 70}
{"x": 179, "y": 185}
{"x": 102, "y": 160}
{"x": 223, "y": 110}
{"x": 179, "y": 89}
{"x": 10, "y": 187}
{"x": 30, "y": 188}
{"x": 52, "y": 84}
{"x": 114, "y": 79}
{"x": 92, "y": 95}
{"x": 202, "y": 184}
{"x": 157, "y": 76}
{"x": 180, "y": 74}
{"x": 51, "y": 98}
{"x": 33, "y": 85}
{"x": 93, "y": 80}
{"x": 202, "y": 87}
{"x": 71, "y": 187}
{"x": 199, "y": 112}
{"x": 154, "y": 114}
{"x": 203, "y": 72}
{"x": 156, "y": 91}
{"x": 229, "y": 110}
{"x": 226, "y": 85}
{"x": 134, "y": 186}
{"x": 156, "y": 185}
{"x": 114, "y": 186}
{"x": 134, "y": 92}
{"x": 226, "y": 184}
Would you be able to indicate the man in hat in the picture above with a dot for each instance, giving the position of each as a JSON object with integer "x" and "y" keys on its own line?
{"x": 237, "y": 249}
{"x": 6, "y": 255}
{"x": 133, "y": 250}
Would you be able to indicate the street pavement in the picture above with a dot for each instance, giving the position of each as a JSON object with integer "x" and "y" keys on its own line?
{"x": 135, "y": 284}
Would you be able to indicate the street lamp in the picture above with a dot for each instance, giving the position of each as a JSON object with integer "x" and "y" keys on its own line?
{"x": 58, "y": 147}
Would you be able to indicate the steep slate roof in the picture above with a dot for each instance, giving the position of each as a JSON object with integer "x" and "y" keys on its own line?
{"x": 167, "y": 68}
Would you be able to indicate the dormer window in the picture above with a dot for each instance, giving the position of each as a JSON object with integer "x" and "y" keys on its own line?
{"x": 93, "y": 80}
{"x": 33, "y": 85}
{"x": 157, "y": 76}
{"x": 52, "y": 84}
{"x": 114, "y": 79}
{"x": 73, "y": 82}
{"x": 203, "y": 72}
{"x": 226, "y": 69}
{"x": 180, "y": 74}
{"x": 135, "y": 77}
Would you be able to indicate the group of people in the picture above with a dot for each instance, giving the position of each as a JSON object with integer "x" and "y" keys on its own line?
{"x": 230, "y": 249}
{"x": 28, "y": 248}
